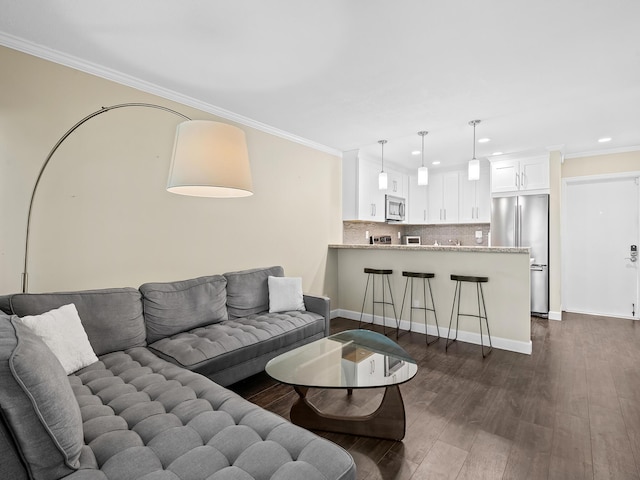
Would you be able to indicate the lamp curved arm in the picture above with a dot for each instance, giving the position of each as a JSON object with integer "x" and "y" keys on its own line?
{"x": 53, "y": 150}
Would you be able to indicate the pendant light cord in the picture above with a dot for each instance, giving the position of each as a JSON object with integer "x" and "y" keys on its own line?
{"x": 382, "y": 142}
{"x": 422, "y": 134}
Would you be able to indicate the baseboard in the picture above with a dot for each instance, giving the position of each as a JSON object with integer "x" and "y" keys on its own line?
{"x": 555, "y": 315}
{"x": 468, "y": 337}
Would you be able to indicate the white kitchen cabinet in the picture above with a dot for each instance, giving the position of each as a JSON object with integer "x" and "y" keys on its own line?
{"x": 362, "y": 199}
{"x": 417, "y": 202}
{"x": 443, "y": 198}
{"x": 370, "y": 197}
{"x": 397, "y": 183}
{"x": 521, "y": 175}
{"x": 475, "y": 197}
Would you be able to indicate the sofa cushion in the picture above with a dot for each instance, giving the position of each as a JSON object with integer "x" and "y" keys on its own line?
{"x": 174, "y": 307}
{"x": 216, "y": 347}
{"x": 62, "y": 331}
{"x": 38, "y": 403}
{"x": 111, "y": 317}
{"x": 248, "y": 291}
{"x": 285, "y": 294}
{"x": 147, "y": 418}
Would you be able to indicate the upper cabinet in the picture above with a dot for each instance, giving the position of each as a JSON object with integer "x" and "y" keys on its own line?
{"x": 522, "y": 175}
{"x": 449, "y": 198}
{"x": 475, "y": 197}
{"x": 443, "y": 197}
{"x": 397, "y": 183}
{"x": 417, "y": 202}
{"x": 361, "y": 197}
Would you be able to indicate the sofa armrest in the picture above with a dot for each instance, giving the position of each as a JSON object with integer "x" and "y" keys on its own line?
{"x": 322, "y": 306}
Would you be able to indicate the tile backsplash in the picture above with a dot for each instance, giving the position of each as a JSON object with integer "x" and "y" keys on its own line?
{"x": 354, "y": 233}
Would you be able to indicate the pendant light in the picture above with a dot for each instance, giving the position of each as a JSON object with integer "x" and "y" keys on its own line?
{"x": 382, "y": 177}
{"x": 474, "y": 164}
{"x": 423, "y": 172}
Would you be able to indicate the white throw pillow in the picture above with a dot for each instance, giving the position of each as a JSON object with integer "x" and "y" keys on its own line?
{"x": 62, "y": 331}
{"x": 285, "y": 294}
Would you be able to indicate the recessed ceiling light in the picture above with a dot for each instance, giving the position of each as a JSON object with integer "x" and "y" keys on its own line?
{"x": 435, "y": 162}
{"x": 604, "y": 139}
{"x": 415, "y": 152}
{"x": 496, "y": 153}
{"x": 484, "y": 140}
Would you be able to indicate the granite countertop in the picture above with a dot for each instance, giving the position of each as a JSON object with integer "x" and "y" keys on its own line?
{"x": 434, "y": 248}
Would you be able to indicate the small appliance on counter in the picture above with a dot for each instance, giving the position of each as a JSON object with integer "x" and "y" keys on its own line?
{"x": 411, "y": 240}
{"x": 382, "y": 239}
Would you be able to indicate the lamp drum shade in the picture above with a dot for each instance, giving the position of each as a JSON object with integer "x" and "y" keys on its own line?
{"x": 210, "y": 159}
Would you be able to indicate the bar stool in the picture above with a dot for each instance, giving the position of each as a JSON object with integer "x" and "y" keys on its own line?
{"x": 384, "y": 274}
{"x": 426, "y": 284}
{"x": 459, "y": 279}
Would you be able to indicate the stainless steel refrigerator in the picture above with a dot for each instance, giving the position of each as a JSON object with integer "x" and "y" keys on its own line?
{"x": 523, "y": 221}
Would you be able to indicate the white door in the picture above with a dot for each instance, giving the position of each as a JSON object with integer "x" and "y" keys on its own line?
{"x": 601, "y": 225}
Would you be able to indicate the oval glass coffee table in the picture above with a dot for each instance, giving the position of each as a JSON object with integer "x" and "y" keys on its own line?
{"x": 348, "y": 360}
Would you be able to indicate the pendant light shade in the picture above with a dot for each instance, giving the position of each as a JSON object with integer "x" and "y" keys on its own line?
{"x": 210, "y": 159}
{"x": 382, "y": 177}
{"x": 423, "y": 172}
{"x": 423, "y": 176}
{"x": 474, "y": 164}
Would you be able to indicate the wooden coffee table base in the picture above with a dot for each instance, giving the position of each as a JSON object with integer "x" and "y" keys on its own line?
{"x": 388, "y": 421}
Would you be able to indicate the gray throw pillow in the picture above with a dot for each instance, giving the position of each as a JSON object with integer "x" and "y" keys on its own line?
{"x": 248, "y": 290}
{"x": 175, "y": 307}
{"x": 38, "y": 403}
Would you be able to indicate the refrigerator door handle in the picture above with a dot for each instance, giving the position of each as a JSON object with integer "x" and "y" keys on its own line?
{"x": 516, "y": 227}
{"x": 519, "y": 225}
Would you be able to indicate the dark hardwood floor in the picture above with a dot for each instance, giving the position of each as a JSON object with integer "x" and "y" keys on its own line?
{"x": 571, "y": 410}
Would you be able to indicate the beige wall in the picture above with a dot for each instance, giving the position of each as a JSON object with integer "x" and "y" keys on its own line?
{"x": 102, "y": 216}
{"x": 601, "y": 164}
{"x": 555, "y": 219}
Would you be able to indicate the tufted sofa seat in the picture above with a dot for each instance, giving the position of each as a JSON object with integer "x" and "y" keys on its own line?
{"x": 219, "y": 350}
{"x": 144, "y": 418}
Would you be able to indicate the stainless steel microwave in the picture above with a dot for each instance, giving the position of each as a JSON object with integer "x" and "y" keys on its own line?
{"x": 394, "y": 208}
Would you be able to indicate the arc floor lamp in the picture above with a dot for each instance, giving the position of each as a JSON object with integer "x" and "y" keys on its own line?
{"x": 210, "y": 159}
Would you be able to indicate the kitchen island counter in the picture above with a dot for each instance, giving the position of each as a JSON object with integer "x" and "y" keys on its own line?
{"x": 433, "y": 248}
{"x": 507, "y": 293}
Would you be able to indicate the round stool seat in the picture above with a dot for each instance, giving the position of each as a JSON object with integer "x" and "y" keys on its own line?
{"x": 467, "y": 278}
{"x": 378, "y": 271}
{"x": 418, "y": 274}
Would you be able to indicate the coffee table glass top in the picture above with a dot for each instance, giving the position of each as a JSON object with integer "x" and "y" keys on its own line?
{"x": 350, "y": 359}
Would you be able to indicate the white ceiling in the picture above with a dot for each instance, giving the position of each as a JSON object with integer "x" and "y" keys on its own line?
{"x": 346, "y": 73}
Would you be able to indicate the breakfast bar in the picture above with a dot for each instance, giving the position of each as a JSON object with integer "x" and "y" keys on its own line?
{"x": 507, "y": 292}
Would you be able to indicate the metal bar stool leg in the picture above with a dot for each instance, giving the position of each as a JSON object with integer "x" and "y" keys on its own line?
{"x": 393, "y": 306}
{"x": 435, "y": 315}
{"x": 455, "y": 296}
{"x": 404, "y": 297}
{"x": 364, "y": 300}
{"x": 486, "y": 321}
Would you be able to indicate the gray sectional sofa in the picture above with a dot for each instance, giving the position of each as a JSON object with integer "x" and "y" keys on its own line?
{"x": 153, "y": 406}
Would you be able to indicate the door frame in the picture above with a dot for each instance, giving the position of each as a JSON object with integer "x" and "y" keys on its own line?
{"x": 563, "y": 229}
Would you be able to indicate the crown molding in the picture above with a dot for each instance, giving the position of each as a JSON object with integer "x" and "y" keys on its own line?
{"x": 76, "y": 63}
{"x": 610, "y": 151}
